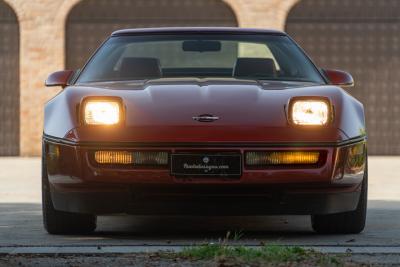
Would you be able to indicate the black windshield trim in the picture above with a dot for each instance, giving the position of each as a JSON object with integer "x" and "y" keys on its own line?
{"x": 196, "y": 30}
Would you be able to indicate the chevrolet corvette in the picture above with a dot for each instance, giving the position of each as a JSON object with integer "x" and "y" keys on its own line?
{"x": 203, "y": 121}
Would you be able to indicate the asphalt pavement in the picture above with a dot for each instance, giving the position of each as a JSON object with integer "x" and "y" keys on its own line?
{"x": 21, "y": 220}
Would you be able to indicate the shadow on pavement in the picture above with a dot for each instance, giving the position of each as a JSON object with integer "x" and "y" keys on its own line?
{"x": 21, "y": 224}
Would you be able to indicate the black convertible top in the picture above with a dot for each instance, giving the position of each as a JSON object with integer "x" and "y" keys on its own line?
{"x": 206, "y": 30}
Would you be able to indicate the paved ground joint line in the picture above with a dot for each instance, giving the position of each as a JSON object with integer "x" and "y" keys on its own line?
{"x": 79, "y": 250}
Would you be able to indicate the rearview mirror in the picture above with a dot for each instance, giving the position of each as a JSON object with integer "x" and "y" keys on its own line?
{"x": 59, "y": 78}
{"x": 340, "y": 78}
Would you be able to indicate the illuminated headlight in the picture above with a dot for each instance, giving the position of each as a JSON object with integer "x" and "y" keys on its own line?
{"x": 310, "y": 112}
{"x": 102, "y": 112}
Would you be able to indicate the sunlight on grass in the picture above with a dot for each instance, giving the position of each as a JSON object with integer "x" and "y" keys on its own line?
{"x": 264, "y": 254}
{"x": 271, "y": 254}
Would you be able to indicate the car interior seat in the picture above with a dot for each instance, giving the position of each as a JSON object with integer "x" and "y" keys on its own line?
{"x": 254, "y": 67}
{"x": 140, "y": 68}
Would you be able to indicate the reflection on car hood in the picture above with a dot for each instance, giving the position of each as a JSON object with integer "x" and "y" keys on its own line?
{"x": 141, "y": 84}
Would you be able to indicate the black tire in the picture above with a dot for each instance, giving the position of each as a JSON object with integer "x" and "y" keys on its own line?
{"x": 60, "y": 222}
{"x": 352, "y": 222}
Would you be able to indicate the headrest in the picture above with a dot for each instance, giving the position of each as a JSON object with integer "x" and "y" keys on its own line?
{"x": 254, "y": 67}
{"x": 140, "y": 67}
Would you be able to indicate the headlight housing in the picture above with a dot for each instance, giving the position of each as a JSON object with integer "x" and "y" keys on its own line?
{"x": 102, "y": 111}
{"x": 312, "y": 111}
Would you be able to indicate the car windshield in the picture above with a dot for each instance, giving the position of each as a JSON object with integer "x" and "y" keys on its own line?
{"x": 260, "y": 57}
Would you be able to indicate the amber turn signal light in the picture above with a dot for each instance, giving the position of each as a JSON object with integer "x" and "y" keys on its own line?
{"x": 113, "y": 157}
{"x": 265, "y": 158}
{"x": 140, "y": 158}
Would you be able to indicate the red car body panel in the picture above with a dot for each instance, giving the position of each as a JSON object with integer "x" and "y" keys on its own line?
{"x": 162, "y": 111}
{"x": 253, "y": 117}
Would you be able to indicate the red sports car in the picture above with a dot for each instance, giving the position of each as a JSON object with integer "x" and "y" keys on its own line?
{"x": 203, "y": 121}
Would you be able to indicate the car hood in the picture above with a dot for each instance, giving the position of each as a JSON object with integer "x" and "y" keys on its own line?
{"x": 177, "y": 101}
{"x": 248, "y": 110}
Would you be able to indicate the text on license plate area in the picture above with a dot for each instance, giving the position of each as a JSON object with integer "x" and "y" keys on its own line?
{"x": 186, "y": 164}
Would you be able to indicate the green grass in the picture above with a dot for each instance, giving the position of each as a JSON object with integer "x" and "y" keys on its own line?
{"x": 224, "y": 253}
{"x": 267, "y": 254}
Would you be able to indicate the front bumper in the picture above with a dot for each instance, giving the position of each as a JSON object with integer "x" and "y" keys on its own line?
{"x": 77, "y": 185}
{"x": 205, "y": 201}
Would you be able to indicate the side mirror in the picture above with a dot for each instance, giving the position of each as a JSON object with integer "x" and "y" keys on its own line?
{"x": 340, "y": 78}
{"x": 59, "y": 78}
